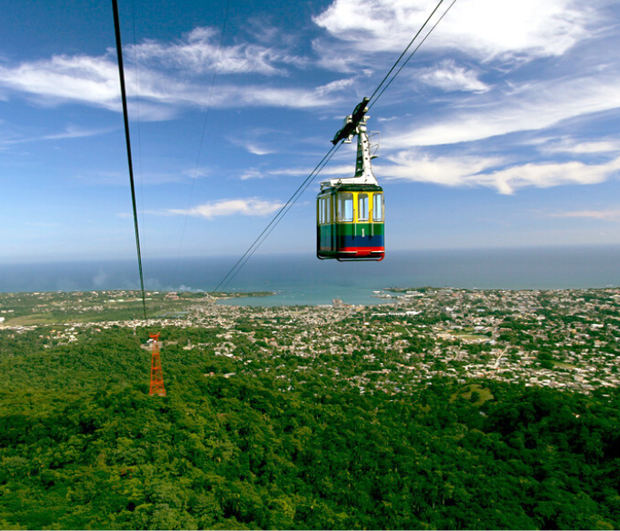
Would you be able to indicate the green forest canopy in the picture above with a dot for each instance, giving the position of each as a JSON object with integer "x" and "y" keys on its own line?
{"x": 82, "y": 445}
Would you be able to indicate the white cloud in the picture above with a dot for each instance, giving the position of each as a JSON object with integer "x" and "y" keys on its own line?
{"x": 612, "y": 214}
{"x": 335, "y": 86}
{"x": 484, "y": 29}
{"x": 252, "y": 174}
{"x": 258, "y": 150}
{"x": 337, "y": 61}
{"x": 83, "y": 78}
{"x": 69, "y": 132}
{"x": 143, "y": 176}
{"x": 448, "y": 76}
{"x": 229, "y": 207}
{"x": 196, "y": 173}
{"x": 344, "y": 170}
{"x": 94, "y": 81}
{"x": 478, "y": 171}
{"x": 199, "y": 52}
{"x": 383, "y": 119}
{"x": 72, "y": 131}
{"x": 532, "y": 106}
{"x": 567, "y": 145}
{"x": 444, "y": 170}
{"x": 546, "y": 175}
{"x": 257, "y": 141}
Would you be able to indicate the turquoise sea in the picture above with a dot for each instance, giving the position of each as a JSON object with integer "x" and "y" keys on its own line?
{"x": 302, "y": 279}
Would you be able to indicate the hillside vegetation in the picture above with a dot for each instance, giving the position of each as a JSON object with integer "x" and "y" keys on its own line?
{"x": 82, "y": 445}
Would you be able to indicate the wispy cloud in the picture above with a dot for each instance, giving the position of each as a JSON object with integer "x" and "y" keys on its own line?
{"x": 69, "y": 132}
{"x": 534, "y": 105}
{"x": 570, "y": 145}
{"x": 252, "y": 173}
{"x": 522, "y": 29}
{"x": 345, "y": 170}
{"x": 335, "y": 86}
{"x": 72, "y": 131}
{"x": 260, "y": 140}
{"x": 341, "y": 170}
{"x": 80, "y": 78}
{"x": 196, "y": 173}
{"x": 143, "y": 176}
{"x": 228, "y": 207}
{"x": 460, "y": 170}
{"x": 612, "y": 214}
{"x": 93, "y": 80}
{"x": 200, "y": 51}
{"x": 546, "y": 175}
{"x": 450, "y": 77}
{"x": 258, "y": 150}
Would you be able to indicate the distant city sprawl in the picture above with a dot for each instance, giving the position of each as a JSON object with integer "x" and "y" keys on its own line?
{"x": 566, "y": 339}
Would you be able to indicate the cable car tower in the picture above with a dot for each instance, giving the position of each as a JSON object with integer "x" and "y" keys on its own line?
{"x": 157, "y": 374}
{"x": 350, "y": 210}
{"x": 355, "y": 124}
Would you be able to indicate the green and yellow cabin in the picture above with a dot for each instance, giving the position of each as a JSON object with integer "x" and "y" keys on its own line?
{"x": 350, "y": 210}
{"x": 350, "y": 220}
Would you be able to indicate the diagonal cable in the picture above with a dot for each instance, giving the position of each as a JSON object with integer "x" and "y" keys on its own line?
{"x": 283, "y": 211}
{"x": 412, "y": 53}
{"x": 405, "y": 51}
{"x": 121, "y": 74}
{"x": 276, "y": 218}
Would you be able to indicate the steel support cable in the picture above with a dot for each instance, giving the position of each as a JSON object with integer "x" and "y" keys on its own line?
{"x": 278, "y": 217}
{"x": 405, "y": 51}
{"x": 377, "y": 93}
{"x": 412, "y": 53}
{"x": 121, "y": 73}
{"x": 291, "y": 203}
{"x": 256, "y": 243}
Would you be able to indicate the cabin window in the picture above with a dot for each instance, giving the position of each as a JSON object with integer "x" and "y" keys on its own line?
{"x": 377, "y": 207}
{"x": 362, "y": 207}
{"x": 345, "y": 207}
{"x": 323, "y": 210}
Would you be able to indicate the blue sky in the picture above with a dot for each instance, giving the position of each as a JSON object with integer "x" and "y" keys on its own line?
{"x": 502, "y": 131}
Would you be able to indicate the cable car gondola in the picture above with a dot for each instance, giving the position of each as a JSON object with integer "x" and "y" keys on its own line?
{"x": 350, "y": 210}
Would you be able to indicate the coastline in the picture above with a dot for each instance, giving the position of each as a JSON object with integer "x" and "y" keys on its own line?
{"x": 303, "y": 280}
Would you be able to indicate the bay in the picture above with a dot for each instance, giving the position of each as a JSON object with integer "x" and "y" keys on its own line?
{"x": 302, "y": 279}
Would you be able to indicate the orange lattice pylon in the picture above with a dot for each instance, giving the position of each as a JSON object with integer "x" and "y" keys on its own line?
{"x": 157, "y": 374}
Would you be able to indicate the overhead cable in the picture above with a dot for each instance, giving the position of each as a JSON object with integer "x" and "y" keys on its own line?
{"x": 411, "y": 54}
{"x": 276, "y": 218}
{"x": 405, "y": 51}
{"x": 121, "y": 73}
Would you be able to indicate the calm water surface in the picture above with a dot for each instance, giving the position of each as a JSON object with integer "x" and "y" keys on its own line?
{"x": 301, "y": 279}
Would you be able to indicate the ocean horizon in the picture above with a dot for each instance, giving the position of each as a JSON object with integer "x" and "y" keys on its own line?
{"x": 302, "y": 279}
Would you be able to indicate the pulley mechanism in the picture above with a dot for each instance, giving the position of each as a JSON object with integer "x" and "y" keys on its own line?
{"x": 351, "y": 122}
